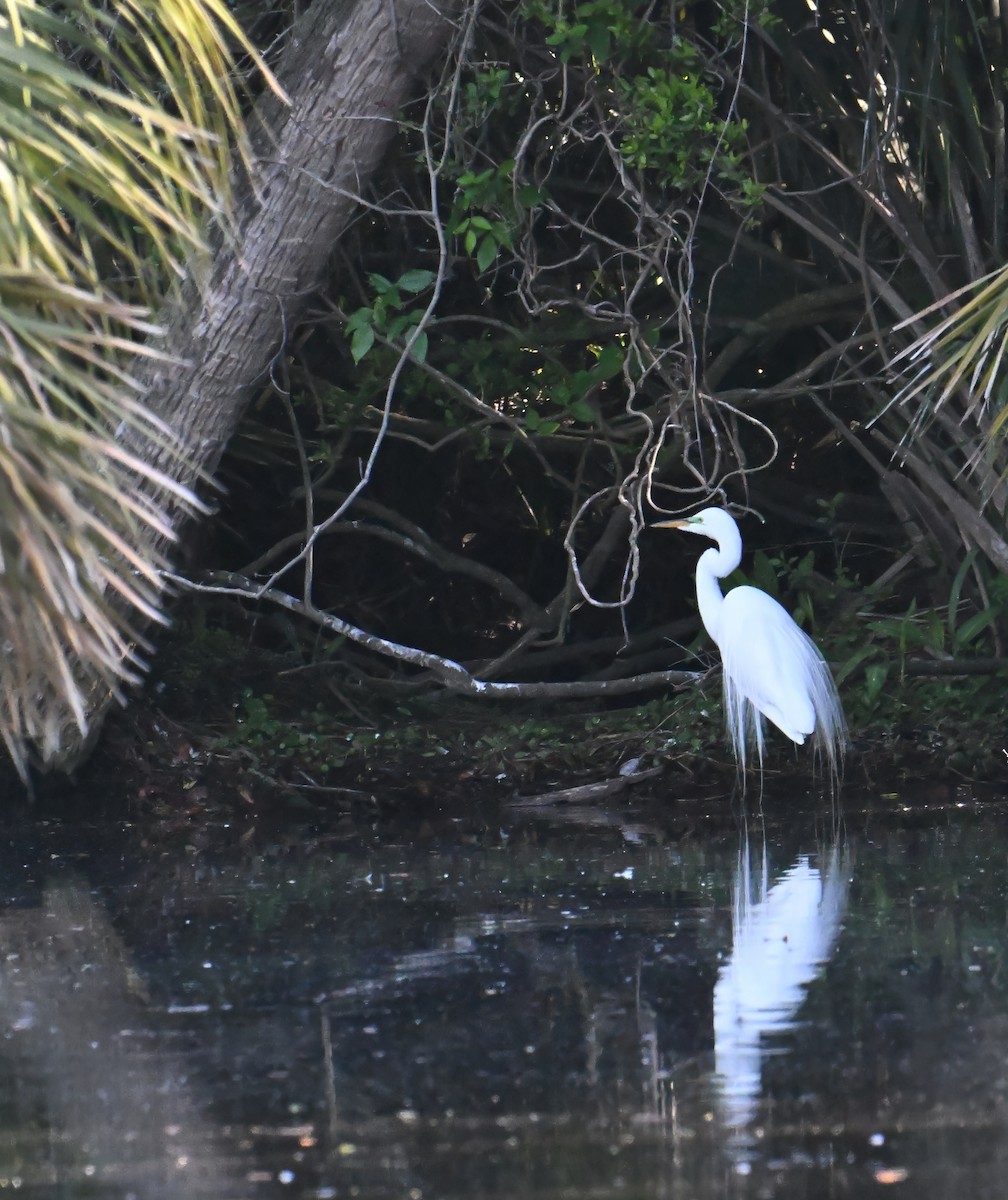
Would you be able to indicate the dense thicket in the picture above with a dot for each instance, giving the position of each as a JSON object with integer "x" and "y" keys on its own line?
{"x": 629, "y": 258}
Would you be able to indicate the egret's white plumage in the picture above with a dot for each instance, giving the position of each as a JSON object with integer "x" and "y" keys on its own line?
{"x": 771, "y": 668}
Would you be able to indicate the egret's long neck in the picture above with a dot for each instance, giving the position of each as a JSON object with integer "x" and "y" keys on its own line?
{"x": 708, "y": 591}
{"x": 712, "y": 567}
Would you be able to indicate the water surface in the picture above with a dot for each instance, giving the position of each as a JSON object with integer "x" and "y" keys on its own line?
{"x": 658, "y": 996}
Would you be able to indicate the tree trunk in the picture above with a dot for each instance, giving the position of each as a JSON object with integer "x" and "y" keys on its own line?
{"x": 349, "y": 67}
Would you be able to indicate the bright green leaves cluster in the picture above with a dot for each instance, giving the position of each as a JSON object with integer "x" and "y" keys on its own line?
{"x": 486, "y": 206}
{"x": 482, "y": 93}
{"x": 672, "y": 126}
{"x": 388, "y": 314}
{"x": 669, "y": 112}
{"x": 482, "y": 238}
{"x": 594, "y": 29}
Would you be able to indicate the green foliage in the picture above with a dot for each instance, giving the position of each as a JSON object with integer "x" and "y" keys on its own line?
{"x": 894, "y": 639}
{"x": 479, "y": 197}
{"x": 385, "y": 314}
{"x": 559, "y": 398}
{"x": 667, "y": 105}
{"x": 594, "y": 29}
{"x": 672, "y": 125}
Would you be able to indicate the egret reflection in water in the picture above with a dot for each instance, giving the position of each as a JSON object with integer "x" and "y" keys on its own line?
{"x": 782, "y": 936}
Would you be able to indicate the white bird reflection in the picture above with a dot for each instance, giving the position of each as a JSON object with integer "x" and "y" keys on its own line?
{"x": 782, "y": 935}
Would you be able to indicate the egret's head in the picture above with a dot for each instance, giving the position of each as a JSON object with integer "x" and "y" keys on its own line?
{"x": 713, "y": 523}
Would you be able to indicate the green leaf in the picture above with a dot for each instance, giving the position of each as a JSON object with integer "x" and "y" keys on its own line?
{"x": 503, "y": 235}
{"x": 969, "y": 629}
{"x": 934, "y": 632}
{"x": 416, "y": 280}
{"x": 610, "y": 362}
{"x": 598, "y": 41}
{"x": 875, "y": 679}
{"x": 358, "y": 319}
{"x": 401, "y": 325}
{"x": 420, "y": 347}
{"x": 852, "y": 663}
{"x": 532, "y": 420}
{"x": 956, "y": 591}
{"x": 361, "y": 342}
{"x": 486, "y": 253}
{"x": 764, "y": 575}
{"x": 582, "y": 411}
{"x": 804, "y": 568}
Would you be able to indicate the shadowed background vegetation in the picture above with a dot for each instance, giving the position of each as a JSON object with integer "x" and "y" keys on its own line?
{"x": 671, "y": 259}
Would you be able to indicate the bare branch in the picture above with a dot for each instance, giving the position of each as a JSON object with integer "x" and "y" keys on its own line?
{"x": 449, "y": 673}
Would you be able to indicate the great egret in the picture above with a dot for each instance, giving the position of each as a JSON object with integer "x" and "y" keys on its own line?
{"x": 770, "y": 667}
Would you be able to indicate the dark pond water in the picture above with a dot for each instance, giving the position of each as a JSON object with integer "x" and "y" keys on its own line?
{"x": 651, "y": 997}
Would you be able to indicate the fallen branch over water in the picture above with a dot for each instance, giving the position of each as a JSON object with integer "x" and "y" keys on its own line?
{"x": 451, "y": 674}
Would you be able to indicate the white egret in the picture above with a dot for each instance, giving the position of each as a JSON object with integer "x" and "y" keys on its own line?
{"x": 770, "y": 667}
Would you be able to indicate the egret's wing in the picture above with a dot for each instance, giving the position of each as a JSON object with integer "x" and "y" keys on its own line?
{"x": 773, "y": 668}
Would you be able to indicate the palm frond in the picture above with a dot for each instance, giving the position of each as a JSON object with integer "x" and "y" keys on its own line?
{"x": 117, "y": 126}
{"x": 963, "y": 352}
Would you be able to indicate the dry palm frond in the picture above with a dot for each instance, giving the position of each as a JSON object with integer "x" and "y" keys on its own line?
{"x": 116, "y": 126}
{"x": 964, "y": 351}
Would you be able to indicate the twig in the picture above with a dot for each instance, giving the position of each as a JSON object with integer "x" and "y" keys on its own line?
{"x": 586, "y": 792}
